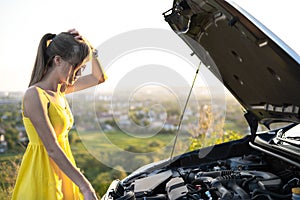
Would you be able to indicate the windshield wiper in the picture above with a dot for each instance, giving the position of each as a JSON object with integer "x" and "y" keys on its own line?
{"x": 294, "y": 141}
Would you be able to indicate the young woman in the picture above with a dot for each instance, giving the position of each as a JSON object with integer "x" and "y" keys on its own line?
{"x": 48, "y": 169}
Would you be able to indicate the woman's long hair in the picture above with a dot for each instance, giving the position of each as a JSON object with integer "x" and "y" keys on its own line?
{"x": 65, "y": 45}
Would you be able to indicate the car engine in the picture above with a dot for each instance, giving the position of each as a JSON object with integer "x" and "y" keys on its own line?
{"x": 255, "y": 176}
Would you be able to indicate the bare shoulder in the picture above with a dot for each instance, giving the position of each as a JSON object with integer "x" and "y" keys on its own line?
{"x": 31, "y": 94}
{"x": 32, "y": 101}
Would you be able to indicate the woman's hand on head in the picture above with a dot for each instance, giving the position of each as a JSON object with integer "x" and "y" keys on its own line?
{"x": 75, "y": 33}
{"x": 78, "y": 36}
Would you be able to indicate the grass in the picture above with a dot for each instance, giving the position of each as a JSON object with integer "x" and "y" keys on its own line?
{"x": 119, "y": 149}
{"x": 115, "y": 139}
{"x": 8, "y": 168}
{"x": 92, "y": 149}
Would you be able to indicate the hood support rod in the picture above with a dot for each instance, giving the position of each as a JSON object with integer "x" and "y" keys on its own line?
{"x": 183, "y": 111}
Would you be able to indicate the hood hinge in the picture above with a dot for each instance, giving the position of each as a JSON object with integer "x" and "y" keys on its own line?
{"x": 253, "y": 122}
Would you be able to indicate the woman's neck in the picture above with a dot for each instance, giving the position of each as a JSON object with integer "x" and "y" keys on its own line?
{"x": 54, "y": 87}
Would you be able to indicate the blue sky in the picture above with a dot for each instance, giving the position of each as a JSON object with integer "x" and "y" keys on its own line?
{"x": 23, "y": 23}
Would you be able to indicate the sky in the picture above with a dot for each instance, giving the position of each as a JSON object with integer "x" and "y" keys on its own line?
{"x": 23, "y": 23}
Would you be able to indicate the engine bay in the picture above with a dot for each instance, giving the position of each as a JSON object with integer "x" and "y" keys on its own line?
{"x": 252, "y": 176}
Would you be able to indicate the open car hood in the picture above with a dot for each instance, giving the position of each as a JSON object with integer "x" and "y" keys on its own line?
{"x": 264, "y": 75}
{"x": 259, "y": 69}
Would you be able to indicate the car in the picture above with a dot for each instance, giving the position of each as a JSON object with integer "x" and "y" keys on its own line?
{"x": 263, "y": 74}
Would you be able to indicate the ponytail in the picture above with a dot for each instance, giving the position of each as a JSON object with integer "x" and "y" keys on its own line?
{"x": 64, "y": 45}
{"x": 42, "y": 59}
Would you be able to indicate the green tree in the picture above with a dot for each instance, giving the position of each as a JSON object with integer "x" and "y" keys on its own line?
{"x": 199, "y": 131}
{"x": 206, "y": 134}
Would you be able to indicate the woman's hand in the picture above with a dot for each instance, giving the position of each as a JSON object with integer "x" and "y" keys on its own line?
{"x": 97, "y": 74}
{"x": 75, "y": 33}
{"x": 77, "y": 36}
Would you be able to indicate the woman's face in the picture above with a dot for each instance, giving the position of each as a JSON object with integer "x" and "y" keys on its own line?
{"x": 68, "y": 73}
{"x": 75, "y": 71}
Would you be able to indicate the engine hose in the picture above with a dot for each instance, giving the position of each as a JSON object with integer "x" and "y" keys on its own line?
{"x": 295, "y": 182}
{"x": 214, "y": 174}
{"x": 262, "y": 195}
{"x": 224, "y": 192}
{"x": 227, "y": 177}
{"x": 242, "y": 193}
{"x": 246, "y": 182}
{"x": 273, "y": 194}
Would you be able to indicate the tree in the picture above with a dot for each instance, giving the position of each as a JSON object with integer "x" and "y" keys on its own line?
{"x": 199, "y": 131}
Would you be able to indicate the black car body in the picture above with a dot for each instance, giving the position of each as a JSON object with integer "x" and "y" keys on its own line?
{"x": 263, "y": 74}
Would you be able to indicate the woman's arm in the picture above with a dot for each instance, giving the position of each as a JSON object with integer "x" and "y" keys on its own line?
{"x": 96, "y": 77}
{"x": 37, "y": 111}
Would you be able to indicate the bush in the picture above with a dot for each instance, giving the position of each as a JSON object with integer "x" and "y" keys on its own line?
{"x": 9, "y": 170}
{"x": 103, "y": 180}
{"x": 141, "y": 160}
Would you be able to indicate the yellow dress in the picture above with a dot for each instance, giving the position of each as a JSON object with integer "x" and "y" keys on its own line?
{"x": 39, "y": 178}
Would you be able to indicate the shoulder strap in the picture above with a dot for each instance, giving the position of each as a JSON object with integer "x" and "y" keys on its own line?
{"x": 46, "y": 95}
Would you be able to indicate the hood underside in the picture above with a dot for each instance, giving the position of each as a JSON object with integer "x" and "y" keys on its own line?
{"x": 260, "y": 70}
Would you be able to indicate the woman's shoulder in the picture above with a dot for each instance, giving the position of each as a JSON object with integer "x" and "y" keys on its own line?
{"x": 34, "y": 99}
{"x": 33, "y": 94}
